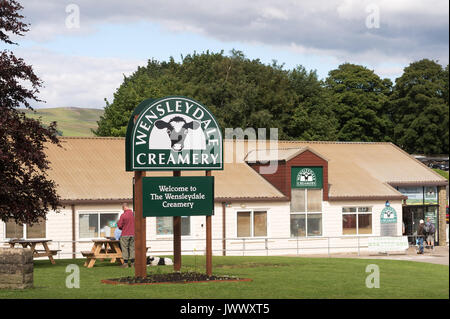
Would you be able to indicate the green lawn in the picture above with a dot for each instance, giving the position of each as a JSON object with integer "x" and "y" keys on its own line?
{"x": 273, "y": 277}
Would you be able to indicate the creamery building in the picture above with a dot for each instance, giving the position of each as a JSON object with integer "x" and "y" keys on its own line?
{"x": 295, "y": 198}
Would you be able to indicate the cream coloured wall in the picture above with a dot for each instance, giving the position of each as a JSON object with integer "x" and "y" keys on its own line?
{"x": 277, "y": 241}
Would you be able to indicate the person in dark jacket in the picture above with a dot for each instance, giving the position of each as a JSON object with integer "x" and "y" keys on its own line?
{"x": 420, "y": 235}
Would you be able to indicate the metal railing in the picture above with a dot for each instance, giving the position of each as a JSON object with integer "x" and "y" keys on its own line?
{"x": 243, "y": 246}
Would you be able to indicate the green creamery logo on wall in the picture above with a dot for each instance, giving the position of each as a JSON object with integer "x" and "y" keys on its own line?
{"x": 173, "y": 133}
{"x": 306, "y": 177}
{"x": 388, "y": 215}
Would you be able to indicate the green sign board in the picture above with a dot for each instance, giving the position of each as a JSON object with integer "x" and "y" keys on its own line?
{"x": 388, "y": 215}
{"x": 173, "y": 133}
{"x": 307, "y": 177}
{"x": 178, "y": 196}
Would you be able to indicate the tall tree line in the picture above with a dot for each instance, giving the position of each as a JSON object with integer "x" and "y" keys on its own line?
{"x": 352, "y": 104}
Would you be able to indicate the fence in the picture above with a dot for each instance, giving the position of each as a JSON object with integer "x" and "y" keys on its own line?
{"x": 241, "y": 246}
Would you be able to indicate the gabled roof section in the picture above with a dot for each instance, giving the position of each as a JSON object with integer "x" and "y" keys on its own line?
{"x": 281, "y": 154}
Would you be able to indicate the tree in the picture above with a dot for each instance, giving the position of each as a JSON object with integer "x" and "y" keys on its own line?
{"x": 25, "y": 194}
{"x": 313, "y": 118}
{"x": 360, "y": 99}
{"x": 419, "y": 108}
{"x": 239, "y": 91}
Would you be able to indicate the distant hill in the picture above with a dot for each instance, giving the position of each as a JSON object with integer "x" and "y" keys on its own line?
{"x": 72, "y": 121}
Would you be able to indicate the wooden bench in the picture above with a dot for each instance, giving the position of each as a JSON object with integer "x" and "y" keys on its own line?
{"x": 87, "y": 253}
{"x": 53, "y": 252}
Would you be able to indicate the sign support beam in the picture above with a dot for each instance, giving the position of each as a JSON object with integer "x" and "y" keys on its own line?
{"x": 177, "y": 237}
{"x": 140, "y": 263}
{"x": 208, "y": 241}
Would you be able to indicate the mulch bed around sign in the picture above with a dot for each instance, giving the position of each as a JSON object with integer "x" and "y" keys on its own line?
{"x": 172, "y": 278}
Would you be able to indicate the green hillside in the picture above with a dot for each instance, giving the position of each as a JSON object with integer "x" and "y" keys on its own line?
{"x": 72, "y": 121}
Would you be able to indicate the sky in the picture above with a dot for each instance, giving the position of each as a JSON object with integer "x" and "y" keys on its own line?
{"x": 83, "y": 49}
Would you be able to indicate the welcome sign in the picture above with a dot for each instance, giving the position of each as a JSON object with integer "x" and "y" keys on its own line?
{"x": 173, "y": 133}
{"x": 178, "y": 196}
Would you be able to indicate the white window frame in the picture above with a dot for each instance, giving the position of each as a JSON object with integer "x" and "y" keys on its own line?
{"x": 357, "y": 220}
{"x": 306, "y": 213}
{"x": 98, "y": 212}
{"x": 24, "y": 232}
{"x": 306, "y": 224}
{"x": 171, "y": 235}
{"x": 252, "y": 210}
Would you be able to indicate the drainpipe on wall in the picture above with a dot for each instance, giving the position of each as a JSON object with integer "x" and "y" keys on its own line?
{"x": 74, "y": 245}
{"x": 224, "y": 228}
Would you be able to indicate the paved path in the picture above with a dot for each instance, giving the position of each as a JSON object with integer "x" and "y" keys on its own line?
{"x": 439, "y": 256}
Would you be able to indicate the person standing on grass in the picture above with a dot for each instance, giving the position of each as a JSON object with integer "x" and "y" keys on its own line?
{"x": 126, "y": 225}
{"x": 420, "y": 234}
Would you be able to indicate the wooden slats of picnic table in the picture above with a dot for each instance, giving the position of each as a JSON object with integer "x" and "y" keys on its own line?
{"x": 111, "y": 250}
{"x": 46, "y": 252}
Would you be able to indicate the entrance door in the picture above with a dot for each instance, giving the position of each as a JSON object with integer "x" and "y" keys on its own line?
{"x": 411, "y": 217}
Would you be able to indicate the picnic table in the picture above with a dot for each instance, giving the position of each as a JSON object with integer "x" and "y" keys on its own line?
{"x": 103, "y": 249}
{"x": 46, "y": 252}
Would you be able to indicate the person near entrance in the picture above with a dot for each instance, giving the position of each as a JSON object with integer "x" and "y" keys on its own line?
{"x": 420, "y": 235}
{"x": 126, "y": 225}
{"x": 429, "y": 230}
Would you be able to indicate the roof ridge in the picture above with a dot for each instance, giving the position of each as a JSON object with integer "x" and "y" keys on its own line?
{"x": 92, "y": 137}
{"x": 313, "y": 142}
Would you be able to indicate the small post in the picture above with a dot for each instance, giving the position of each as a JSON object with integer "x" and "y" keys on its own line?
{"x": 177, "y": 237}
{"x": 208, "y": 241}
{"x": 224, "y": 229}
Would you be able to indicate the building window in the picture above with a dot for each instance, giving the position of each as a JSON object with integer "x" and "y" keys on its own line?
{"x": 14, "y": 230}
{"x": 306, "y": 200}
{"x": 97, "y": 224}
{"x": 252, "y": 224}
{"x": 306, "y": 212}
{"x": 303, "y": 225}
{"x": 164, "y": 225}
{"x": 37, "y": 230}
{"x": 356, "y": 220}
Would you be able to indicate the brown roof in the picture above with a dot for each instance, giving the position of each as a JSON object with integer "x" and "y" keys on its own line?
{"x": 365, "y": 170}
{"x": 280, "y": 154}
{"x": 88, "y": 169}
{"x": 94, "y": 169}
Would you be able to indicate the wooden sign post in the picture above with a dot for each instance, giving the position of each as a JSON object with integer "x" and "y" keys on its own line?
{"x": 208, "y": 241}
{"x": 140, "y": 262}
{"x": 173, "y": 133}
{"x": 176, "y": 237}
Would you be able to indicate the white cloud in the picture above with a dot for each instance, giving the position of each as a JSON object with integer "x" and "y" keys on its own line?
{"x": 408, "y": 28}
{"x": 76, "y": 80}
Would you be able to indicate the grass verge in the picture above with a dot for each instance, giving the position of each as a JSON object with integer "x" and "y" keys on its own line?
{"x": 272, "y": 277}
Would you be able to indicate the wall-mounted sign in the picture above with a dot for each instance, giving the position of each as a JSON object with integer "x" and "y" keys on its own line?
{"x": 430, "y": 195}
{"x": 178, "y": 196}
{"x": 415, "y": 195}
{"x": 388, "y": 215}
{"x": 173, "y": 133}
{"x": 385, "y": 244}
{"x": 307, "y": 177}
{"x": 388, "y": 221}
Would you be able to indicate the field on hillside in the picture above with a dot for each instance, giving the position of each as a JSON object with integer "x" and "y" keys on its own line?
{"x": 72, "y": 121}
